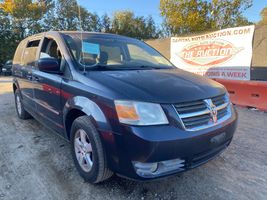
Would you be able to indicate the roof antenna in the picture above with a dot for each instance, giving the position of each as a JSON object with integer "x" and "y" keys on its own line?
{"x": 81, "y": 30}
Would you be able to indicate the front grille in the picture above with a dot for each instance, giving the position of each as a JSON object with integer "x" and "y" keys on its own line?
{"x": 190, "y": 107}
{"x": 197, "y": 115}
{"x": 219, "y": 100}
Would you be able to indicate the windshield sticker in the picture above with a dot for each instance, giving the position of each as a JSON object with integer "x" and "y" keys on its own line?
{"x": 90, "y": 48}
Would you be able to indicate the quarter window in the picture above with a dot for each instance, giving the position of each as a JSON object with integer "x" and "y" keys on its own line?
{"x": 34, "y": 43}
{"x": 29, "y": 56}
{"x": 19, "y": 53}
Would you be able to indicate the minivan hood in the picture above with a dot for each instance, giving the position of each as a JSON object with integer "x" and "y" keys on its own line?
{"x": 158, "y": 86}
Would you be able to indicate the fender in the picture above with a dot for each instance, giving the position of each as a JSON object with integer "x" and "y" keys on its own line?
{"x": 90, "y": 108}
{"x": 15, "y": 83}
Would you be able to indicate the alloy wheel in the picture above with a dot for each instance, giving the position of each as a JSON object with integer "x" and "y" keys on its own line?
{"x": 18, "y": 103}
{"x": 83, "y": 150}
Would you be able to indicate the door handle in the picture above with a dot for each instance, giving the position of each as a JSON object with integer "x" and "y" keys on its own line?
{"x": 29, "y": 77}
{"x": 36, "y": 79}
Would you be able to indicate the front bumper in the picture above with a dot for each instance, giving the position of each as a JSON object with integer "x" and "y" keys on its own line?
{"x": 162, "y": 143}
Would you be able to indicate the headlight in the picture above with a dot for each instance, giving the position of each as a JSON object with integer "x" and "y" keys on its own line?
{"x": 140, "y": 113}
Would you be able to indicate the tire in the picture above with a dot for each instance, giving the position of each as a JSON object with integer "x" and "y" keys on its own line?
{"x": 21, "y": 112}
{"x": 92, "y": 165}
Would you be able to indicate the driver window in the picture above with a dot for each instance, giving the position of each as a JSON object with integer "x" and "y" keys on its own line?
{"x": 113, "y": 53}
{"x": 50, "y": 50}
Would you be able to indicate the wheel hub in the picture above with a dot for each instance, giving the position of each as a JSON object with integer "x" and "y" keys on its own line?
{"x": 18, "y": 104}
{"x": 83, "y": 150}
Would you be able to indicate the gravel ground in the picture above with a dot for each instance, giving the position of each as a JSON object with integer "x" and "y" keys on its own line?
{"x": 36, "y": 164}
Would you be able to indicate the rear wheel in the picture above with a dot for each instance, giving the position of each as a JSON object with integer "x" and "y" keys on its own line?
{"x": 21, "y": 112}
{"x": 88, "y": 151}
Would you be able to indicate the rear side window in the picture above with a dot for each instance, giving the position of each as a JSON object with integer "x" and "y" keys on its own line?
{"x": 19, "y": 52}
{"x": 29, "y": 56}
{"x": 34, "y": 43}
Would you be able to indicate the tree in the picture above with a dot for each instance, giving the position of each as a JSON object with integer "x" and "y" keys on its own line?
{"x": 26, "y": 15}
{"x": 18, "y": 19}
{"x": 126, "y": 23}
{"x": 21, "y": 18}
{"x": 228, "y": 13}
{"x": 105, "y": 23}
{"x": 8, "y": 40}
{"x": 68, "y": 15}
{"x": 185, "y": 16}
{"x": 151, "y": 30}
{"x": 263, "y": 20}
{"x": 190, "y": 16}
{"x": 63, "y": 16}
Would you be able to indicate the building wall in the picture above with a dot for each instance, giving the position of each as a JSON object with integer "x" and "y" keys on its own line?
{"x": 259, "y": 58}
{"x": 162, "y": 45}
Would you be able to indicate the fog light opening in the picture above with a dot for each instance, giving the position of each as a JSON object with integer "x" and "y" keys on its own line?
{"x": 150, "y": 170}
{"x": 145, "y": 169}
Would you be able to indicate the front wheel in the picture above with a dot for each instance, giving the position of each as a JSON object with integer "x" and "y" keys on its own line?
{"x": 88, "y": 151}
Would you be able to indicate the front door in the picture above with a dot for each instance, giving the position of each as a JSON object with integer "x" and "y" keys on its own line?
{"x": 47, "y": 88}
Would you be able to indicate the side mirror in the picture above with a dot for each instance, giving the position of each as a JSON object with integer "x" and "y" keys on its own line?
{"x": 49, "y": 65}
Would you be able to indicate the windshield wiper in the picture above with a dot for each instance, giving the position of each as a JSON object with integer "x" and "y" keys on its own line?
{"x": 95, "y": 66}
{"x": 147, "y": 67}
{"x": 99, "y": 66}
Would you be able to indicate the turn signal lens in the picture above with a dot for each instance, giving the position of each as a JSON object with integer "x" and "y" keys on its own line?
{"x": 126, "y": 112}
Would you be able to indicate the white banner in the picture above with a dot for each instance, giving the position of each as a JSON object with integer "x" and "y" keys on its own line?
{"x": 224, "y": 54}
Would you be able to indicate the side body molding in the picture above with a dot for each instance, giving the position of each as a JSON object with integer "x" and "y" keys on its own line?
{"x": 90, "y": 108}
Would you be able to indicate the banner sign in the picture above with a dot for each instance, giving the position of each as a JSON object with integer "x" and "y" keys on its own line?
{"x": 224, "y": 54}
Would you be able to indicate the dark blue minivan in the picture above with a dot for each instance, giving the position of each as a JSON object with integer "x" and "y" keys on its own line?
{"x": 124, "y": 107}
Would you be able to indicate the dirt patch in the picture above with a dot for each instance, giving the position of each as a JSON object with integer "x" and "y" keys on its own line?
{"x": 5, "y": 85}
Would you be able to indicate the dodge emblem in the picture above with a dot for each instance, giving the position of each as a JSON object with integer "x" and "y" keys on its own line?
{"x": 213, "y": 110}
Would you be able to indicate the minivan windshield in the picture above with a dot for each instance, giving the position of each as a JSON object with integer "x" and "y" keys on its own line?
{"x": 113, "y": 52}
